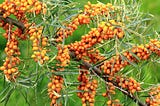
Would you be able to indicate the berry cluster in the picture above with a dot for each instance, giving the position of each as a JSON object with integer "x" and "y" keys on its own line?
{"x": 110, "y": 67}
{"x": 90, "y": 10}
{"x": 84, "y": 50}
{"x": 54, "y": 89}
{"x": 154, "y": 46}
{"x": 37, "y": 7}
{"x": 116, "y": 63}
{"x": 94, "y": 56}
{"x": 130, "y": 84}
{"x": 64, "y": 33}
{"x": 154, "y": 99}
{"x": 9, "y": 67}
{"x": 20, "y": 7}
{"x": 113, "y": 103}
{"x": 87, "y": 87}
{"x": 141, "y": 52}
{"x": 98, "y": 9}
{"x": 38, "y": 45}
{"x": 63, "y": 56}
{"x": 83, "y": 19}
{"x": 104, "y": 31}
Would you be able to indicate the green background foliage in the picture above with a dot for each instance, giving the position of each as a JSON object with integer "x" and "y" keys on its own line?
{"x": 37, "y": 95}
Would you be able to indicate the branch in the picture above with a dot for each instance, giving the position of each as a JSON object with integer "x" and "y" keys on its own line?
{"x": 13, "y": 22}
{"x": 135, "y": 99}
{"x": 86, "y": 64}
{"x": 98, "y": 72}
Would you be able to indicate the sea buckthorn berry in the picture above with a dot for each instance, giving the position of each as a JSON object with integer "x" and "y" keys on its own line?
{"x": 109, "y": 102}
{"x": 9, "y": 67}
{"x": 18, "y": 8}
{"x": 154, "y": 46}
{"x": 115, "y": 64}
{"x": 55, "y": 86}
{"x": 89, "y": 12}
{"x": 87, "y": 87}
{"x": 128, "y": 83}
{"x": 39, "y": 45}
{"x": 96, "y": 35}
{"x": 64, "y": 33}
{"x": 63, "y": 56}
{"x": 154, "y": 97}
{"x": 98, "y": 9}
{"x": 113, "y": 103}
{"x": 83, "y": 19}
{"x": 54, "y": 89}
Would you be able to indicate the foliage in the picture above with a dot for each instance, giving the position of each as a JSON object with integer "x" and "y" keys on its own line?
{"x": 106, "y": 51}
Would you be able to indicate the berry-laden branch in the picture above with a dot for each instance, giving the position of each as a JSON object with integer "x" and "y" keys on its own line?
{"x": 142, "y": 52}
{"x": 98, "y": 72}
{"x": 106, "y": 31}
{"x": 24, "y": 30}
{"x": 77, "y": 51}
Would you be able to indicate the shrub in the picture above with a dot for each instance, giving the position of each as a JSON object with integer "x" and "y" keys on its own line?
{"x": 101, "y": 54}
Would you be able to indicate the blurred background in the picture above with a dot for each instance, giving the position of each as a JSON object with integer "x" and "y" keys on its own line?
{"x": 19, "y": 99}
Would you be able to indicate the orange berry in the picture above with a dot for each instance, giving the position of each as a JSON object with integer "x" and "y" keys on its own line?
{"x": 109, "y": 102}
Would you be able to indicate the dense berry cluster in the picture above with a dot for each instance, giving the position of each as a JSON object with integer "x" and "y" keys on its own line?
{"x": 20, "y": 7}
{"x": 141, "y": 52}
{"x": 63, "y": 56}
{"x": 93, "y": 56}
{"x": 39, "y": 43}
{"x": 104, "y": 31}
{"x": 70, "y": 28}
{"x": 154, "y": 46}
{"x": 110, "y": 67}
{"x": 154, "y": 99}
{"x": 9, "y": 67}
{"x": 98, "y": 9}
{"x": 54, "y": 89}
{"x": 116, "y": 63}
{"x": 87, "y": 87}
{"x": 90, "y": 10}
{"x": 83, "y": 19}
{"x": 128, "y": 83}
